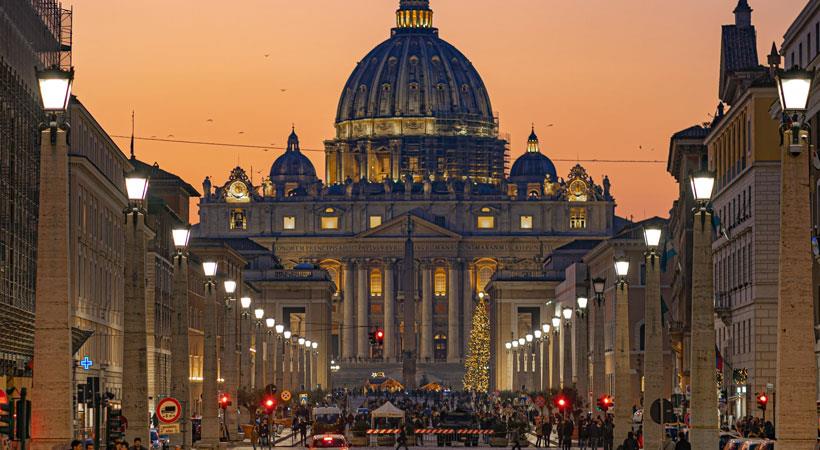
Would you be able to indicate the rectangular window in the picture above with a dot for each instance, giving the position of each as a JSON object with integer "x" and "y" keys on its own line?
{"x": 526, "y": 222}
{"x": 238, "y": 219}
{"x": 375, "y": 221}
{"x": 289, "y": 223}
{"x": 486, "y": 222}
{"x": 330, "y": 223}
{"x": 375, "y": 283}
{"x": 577, "y": 218}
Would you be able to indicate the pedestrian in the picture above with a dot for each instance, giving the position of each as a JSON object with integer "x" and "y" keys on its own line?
{"x": 137, "y": 444}
{"x": 303, "y": 426}
{"x": 609, "y": 434}
{"x": 683, "y": 444}
{"x": 630, "y": 443}
{"x": 401, "y": 441}
{"x": 514, "y": 439}
{"x": 569, "y": 427}
{"x": 76, "y": 445}
{"x": 539, "y": 434}
{"x": 547, "y": 431}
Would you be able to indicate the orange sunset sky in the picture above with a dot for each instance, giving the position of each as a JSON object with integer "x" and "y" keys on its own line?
{"x": 615, "y": 77}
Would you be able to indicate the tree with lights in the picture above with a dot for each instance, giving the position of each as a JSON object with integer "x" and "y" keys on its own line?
{"x": 477, "y": 377}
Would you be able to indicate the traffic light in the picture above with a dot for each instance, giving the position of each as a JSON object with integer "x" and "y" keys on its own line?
{"x": 114, "y": 426}
{"x": 224, "y": 401}
{"x": 379, "y": 336}
{"x": 7, "y": 413}
{"x": 604, "y": 403}
{"x": 562, "y": 403}
{"x": 762, "y": 401}
{"x": 269, "y": 403}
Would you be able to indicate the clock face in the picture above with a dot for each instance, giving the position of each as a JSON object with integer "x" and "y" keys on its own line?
{"x": 238, "y": 190}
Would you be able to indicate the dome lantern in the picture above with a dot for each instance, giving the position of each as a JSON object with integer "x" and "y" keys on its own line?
{"x": 532, "y": 142}
{"x": 414, "y": 14}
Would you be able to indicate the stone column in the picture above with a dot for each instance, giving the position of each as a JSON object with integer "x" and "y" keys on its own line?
{"x": 180, "y": 367}
{"x": 348, "y": 321}
{"x": 210, "y": 419}
{"x": 389, "y": 312}
{"x": 622, "y": 391}
{"x": 453, "y": 324}
{"x": 545, "y": 362}
{"x": 555, "y": 359}
{"x": 582, "y": 356}
{"x": 361, "y": 312}
{"x": 599, "y": 384}
{"x": 795, "y": 414}
{"x": 703, "y": 422}
{"x": 426, "y": 313}
{"x": 52, "y": 391}
{"x": 258, "y": 357}
{"x": 279, "y": 364}
{"x": 468, "y": 305}
{"x": 135, "y": 338}
{"x": 230, "y": 364}
{"x": 653, "y": 351}
{"x": 566, "y": 354}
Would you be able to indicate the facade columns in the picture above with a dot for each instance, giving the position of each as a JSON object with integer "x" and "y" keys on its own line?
{"x": 210, "y": 417}
{"x": 180, "y": 367}
{"x": 703, "y": 422}
{"x": 389, "y": 312}
{"x": 566, "y": 354}
{"x": 599, "y": 384}
{"x": 581, "y": 366}
{"x": 453, "y": 325}
{"x": 795, "y": 415}
{"x": 258, "y": 357}
{"x": 653, "y": 350}
{"x": 426, "y": 313}
{"x": 622, "y": 391}
{"x": 135, "y": 338}
{"x": 348, "y": 321}
{"x": 361, "y": 311}
{"x": 555, "y": 359}
{"x": 52, "y": 392}
{"x": 468, "y": 305}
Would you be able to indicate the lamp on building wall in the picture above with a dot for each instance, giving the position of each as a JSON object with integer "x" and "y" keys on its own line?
{"x": 209, "y": 268}
{"x": 567, "y": 313}
{"x": 246, "y": 305}
{"x": 269, "y": 323}
{"x": 794, "y": 87}
{"x": 508, "y": 345}
{"x": 598, "y": 286}
{"x": 230, "y": 289}
{"x": 545, "y": 327}
{"x": 287, "y": 334}
{"x": 136, "y": 186}
{"x": 556, "y": 324}
{"x": 582, "y": 302}
{"x": 259, "y": 313}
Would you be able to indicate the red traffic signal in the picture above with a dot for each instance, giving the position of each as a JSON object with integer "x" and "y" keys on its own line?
{"x": 762, "y": 401}
{"x": 605, "y": 402}
{"x": 561, "y": 402}
{"x": 269, "y": 403}
{"x": 379, "y": 335}
{"x": 224, "y": 401}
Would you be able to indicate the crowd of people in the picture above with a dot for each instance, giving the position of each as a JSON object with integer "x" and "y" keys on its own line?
{"x": 755, "y": 427}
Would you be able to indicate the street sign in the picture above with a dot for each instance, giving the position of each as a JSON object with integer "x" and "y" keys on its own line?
{"x": 285, "y": 396}
{"x": 655, "y": 410}
{"x": 169, "y": 429}
{"x": 168, "y": 410}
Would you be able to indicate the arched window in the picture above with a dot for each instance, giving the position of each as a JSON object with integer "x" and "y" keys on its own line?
{"x": 440, "y": 282}
{"x": 485, "y": 273}
{"x": 375, "y": 283}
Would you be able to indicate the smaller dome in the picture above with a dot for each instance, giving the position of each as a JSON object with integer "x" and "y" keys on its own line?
{"x": 533, "y": 166}
{"x": 292, "y": 165}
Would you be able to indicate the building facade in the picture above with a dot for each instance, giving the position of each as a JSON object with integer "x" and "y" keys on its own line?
{"x": 32, "y": 33}
{"x": 416, "y": 147}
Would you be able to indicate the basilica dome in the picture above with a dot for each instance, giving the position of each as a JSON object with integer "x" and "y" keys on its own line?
{"x": 533, "y": 166}
{"x": 293, "y": 165}
{"x": 415, "y": 74}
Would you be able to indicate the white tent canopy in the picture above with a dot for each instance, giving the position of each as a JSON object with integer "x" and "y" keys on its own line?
{"x": 388, "y": 410}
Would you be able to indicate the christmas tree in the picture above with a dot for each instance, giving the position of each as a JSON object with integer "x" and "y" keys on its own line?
{"x": 477, "y": 377}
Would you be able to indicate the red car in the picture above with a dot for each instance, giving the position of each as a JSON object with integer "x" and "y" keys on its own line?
{"x": 328, "y": 441}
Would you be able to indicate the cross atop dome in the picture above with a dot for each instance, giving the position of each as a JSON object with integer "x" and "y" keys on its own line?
{"x": 414, "y": 14}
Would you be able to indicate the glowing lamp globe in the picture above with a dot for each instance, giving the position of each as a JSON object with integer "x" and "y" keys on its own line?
{"x": 622, "y": 267}
{"x": 287, "y": 334}
{"x": 702, "y": 183}
{"x": 245, "y": 302}
{"x": 270, "y": 322}
{"x": 537, "y": 334}
{"x": 567, "y": 312}
{"x": 230, "y": 286}
{"x": 508, "y": 345}
{"x": 181, "y": 237}
{"x": 556, "y": 323}
{"x": 794, "y": 87}
{"x": 545, "y": 327}
{"x": 209, "y": 267}
{"x": 55, "y": 88}
{"x": 280, "y": 328}
{"x": 259, "y": 313}
{"x": 652, "y": 236}
{"x": 583, "y": 302}
{"x": 136, "y": 187}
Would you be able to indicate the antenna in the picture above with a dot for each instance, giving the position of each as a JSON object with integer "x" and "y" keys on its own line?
{"x": 132, "y": 134}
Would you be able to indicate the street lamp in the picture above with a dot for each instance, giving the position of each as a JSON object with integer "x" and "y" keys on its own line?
{"x": 508, "y": 345}
{"x": 280, "y": 329}
{"x": 556, "y": 324}
{"x": 622, "y": 387}
{"x": 246, "y": 304}
{"x": 598, "y": 286}
{"x": 55, "y": 93}
{"x": 545, "y": 327}
{"x": 652, "y": 237}
{"x": 301, "y": 341}
{"x": 537, "y": 334}
{"x": 209, "y": 268}
{"x": 582, "y": 302}
{"x": 210, "y": 414}
{"x": 269, "y": 323}
{"x": 136, "y": 187}
{"x": 621, "y": 269}
{"x": 796, "y": 367}
{"x": 259, "y": 313}
{"x": 181, "y": 237}
{"x": 287, "y": 334}
{"x": 528, "y": 338}
{"x": 702, "y": 183}
{"x": 515, "y": 344}
{"x": 230, "y": 287}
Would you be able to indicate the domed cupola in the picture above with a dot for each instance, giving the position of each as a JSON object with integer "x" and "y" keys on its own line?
{"x": 292, "y": 166}
{"x": 533, "y": 166}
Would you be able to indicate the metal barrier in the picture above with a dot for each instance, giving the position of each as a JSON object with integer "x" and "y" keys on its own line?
{"x": 429, "y": 436}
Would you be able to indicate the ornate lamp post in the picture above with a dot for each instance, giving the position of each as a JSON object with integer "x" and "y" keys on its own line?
{"x": 278, "y": 368}
{"x": 623, "y": 384}
{"x": 653, "y": 347}
{"x": 180, "y": 376}
{"x": 210, "y": 413}
{"x": 287, "y": 370}
{"x": 555, "y": 359}
{"x": 795, "y": 414}
{"x": 53, "y": 386}
{"x": 259, "y": 368}
{"x": 703, "y": 422}
{"x": 268, "y": 359}
{"x": 242, "y": 344}
{"x": 314, "y": 365}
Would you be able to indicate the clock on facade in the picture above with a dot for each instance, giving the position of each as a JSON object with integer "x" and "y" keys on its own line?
{"x": 238, "y": 192}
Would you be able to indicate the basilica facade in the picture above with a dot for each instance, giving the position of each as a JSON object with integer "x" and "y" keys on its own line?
{"x": 417, "y": 155}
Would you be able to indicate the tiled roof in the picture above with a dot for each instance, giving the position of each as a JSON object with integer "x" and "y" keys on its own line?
{"x": 159, "y": 174}
{"x": 739, "y": 48}
{"x": 693, "y": 132}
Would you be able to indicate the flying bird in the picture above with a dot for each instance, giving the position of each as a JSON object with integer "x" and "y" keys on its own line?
{"x": 283, "y": 90}
{"x": 210, "y": 120}
{"x": 170, "y": 135}
{"x": 267, "y": 54}
{"x": 241, "y": 132}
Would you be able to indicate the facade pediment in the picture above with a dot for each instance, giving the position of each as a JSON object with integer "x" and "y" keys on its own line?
{"x": 397, "y": 228}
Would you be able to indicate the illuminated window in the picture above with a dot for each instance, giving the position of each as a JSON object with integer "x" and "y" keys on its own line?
{"x": 238, "y": 219}
{"x": 485, "y": 209}
{"x": 330, "y": 223}
{"x": 440, "y": 282}
{"x": 577, "y": 218}
{"x": 375, "y": 221}
{"x": 375, "y": 283}
{"x": 289, "y": 223}
{"x": 329, "y": 210}
{"x": 486, "y": 222}
{"x": 484, "y": 275}
{"x": 526, "y": 222}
